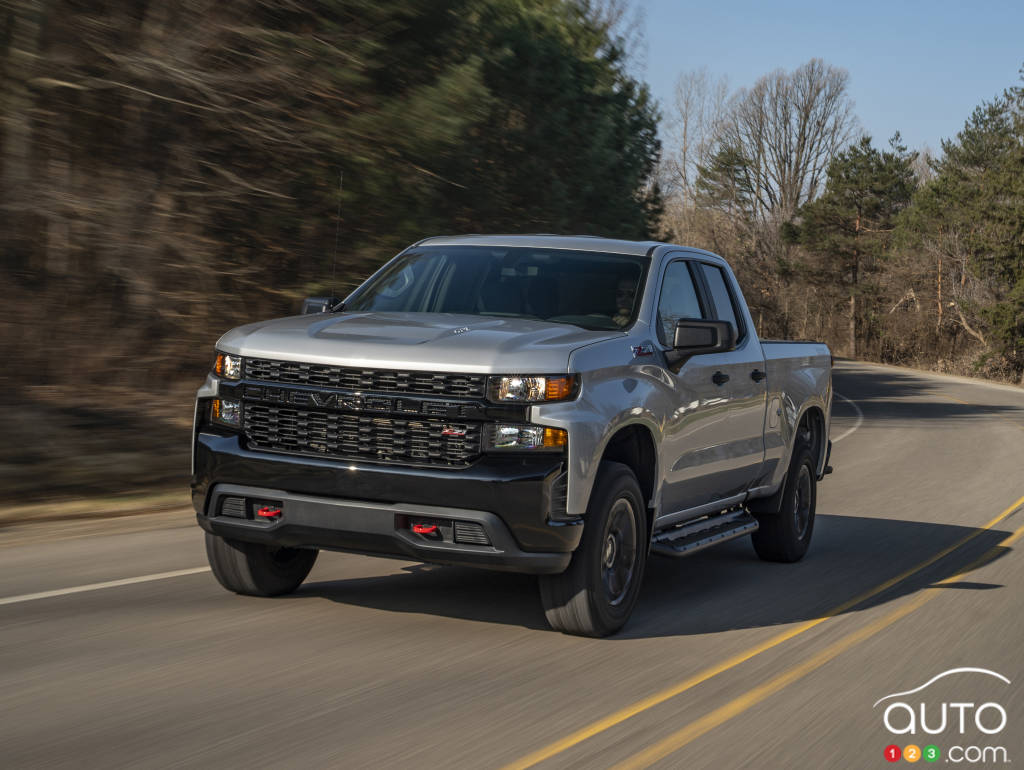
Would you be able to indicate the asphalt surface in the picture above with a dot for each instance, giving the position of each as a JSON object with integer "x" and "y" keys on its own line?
{"x": 727, "y": 662}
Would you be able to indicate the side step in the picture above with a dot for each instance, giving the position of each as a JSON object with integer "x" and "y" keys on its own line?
{"x": 697, "y": 535}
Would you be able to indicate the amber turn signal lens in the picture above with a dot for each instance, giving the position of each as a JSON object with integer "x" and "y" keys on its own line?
{"x": 555, "y": 437}
{"x": 558, "y": 388}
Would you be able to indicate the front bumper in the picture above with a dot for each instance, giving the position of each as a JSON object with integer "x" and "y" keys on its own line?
{"x": 367, "y": 508}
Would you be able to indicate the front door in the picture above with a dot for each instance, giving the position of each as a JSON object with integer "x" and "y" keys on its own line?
{"x": 711, "y": 448}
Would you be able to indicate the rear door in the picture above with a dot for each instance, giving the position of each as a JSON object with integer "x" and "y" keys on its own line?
{"x": 747, "y": 382}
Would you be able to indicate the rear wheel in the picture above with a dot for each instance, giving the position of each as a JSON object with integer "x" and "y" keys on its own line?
{"x": 786, "y": 535}
{"x": 258, "y": 570}
{"x": 596, "y": 594}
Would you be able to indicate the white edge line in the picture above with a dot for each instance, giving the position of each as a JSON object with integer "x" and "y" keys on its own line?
{"x": 940, "y": 676}
{"x": 98, "y": 586}
{"x": 860, "y": 418}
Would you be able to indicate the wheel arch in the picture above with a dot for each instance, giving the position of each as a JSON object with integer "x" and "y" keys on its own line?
{"x": 810, "y": 430}
{"x": 633, "y": 445}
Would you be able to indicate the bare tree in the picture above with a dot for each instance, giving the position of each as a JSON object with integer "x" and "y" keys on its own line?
{"x": 787, "y": 128}
{"x": 923, "y": 163}
{"x": 694, "y": 126}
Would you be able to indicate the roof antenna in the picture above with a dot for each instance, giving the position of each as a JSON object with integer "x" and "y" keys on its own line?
{"x": 337, "y": 230}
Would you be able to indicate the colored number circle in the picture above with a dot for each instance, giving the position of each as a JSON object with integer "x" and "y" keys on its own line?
{"x": 893, "y": 753}
{"x": 931, "y": 753}
{"x": 911, "y": 753}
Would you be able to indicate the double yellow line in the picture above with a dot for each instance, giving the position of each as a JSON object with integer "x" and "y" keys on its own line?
{"x": 733, "y": 708}
{"x": 718, "y": 716}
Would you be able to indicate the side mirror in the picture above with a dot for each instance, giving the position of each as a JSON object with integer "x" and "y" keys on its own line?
{"x": 318, "y": 304}
{"x": 694, "y": 338}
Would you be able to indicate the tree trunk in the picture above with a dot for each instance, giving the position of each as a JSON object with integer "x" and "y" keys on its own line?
{"x": 17, "y": 226}
{"x": 853, "y": 325}
{"x": 853, "y": 292}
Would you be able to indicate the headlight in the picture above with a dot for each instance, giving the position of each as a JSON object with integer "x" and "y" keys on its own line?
{"x": 524, "y": 437}
{"x": 228, "y": 367}
{"x": 226, "y": 412}
{"x": 532, "y": 389}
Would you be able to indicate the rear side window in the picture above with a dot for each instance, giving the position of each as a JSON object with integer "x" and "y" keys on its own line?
{"x": 725, "y": 307}
{"x": 678, "y": 300}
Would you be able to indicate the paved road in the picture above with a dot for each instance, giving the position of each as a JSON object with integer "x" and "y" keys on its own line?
{"x": 728, "y": 662}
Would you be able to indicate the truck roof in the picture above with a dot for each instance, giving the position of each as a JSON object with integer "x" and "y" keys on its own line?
{"x": 546, "y": 241}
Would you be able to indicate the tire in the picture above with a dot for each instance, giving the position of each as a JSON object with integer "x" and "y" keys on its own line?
{"x": 786, "y": 535}
{"x": 258, "y": 570}
{"x": 596, "y": 594}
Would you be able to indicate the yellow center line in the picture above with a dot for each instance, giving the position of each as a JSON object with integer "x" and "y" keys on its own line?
{"x": 617, "y": 717}
{"x": 737, "y": 706}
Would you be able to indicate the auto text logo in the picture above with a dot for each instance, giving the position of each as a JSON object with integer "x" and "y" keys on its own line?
{"x": 958, "y": 730}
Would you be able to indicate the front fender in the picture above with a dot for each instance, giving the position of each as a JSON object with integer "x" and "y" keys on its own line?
{"x": 610, "y": 399}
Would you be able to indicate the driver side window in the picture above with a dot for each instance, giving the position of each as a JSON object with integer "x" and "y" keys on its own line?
{"x": 678, "y": 300}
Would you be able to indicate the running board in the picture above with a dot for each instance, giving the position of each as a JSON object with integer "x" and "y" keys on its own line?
{"x": 703, "y": 533}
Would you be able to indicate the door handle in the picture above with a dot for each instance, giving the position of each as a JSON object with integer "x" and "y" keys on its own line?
{"x": 757, "y": 375}
{"x": 719, "y": 379}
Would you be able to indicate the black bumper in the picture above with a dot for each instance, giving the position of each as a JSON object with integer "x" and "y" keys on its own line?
{"x": 369, "y": 508}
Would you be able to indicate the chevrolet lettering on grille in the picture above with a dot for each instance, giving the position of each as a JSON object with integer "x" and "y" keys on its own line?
{"x": 359, "y": 402}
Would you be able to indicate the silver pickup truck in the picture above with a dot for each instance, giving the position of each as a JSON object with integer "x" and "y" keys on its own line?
{"x": 564, "y": 406}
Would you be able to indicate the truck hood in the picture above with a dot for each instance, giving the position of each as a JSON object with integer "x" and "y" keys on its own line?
{"x": 423, "y": 341}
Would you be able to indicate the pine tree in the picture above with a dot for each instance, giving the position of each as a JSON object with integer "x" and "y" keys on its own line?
{"x": 726, "y": 183}
{"x": 973, "y": 213}
{"x": 849, "y": 228}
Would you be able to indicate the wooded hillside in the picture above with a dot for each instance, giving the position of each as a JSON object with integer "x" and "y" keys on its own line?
{"x": 171, "y": 169}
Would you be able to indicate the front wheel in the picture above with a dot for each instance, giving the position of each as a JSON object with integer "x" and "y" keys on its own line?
{"x": 258, "y": 570}
{"x": 596, "y": 594}
{"x": 786, "y": 535}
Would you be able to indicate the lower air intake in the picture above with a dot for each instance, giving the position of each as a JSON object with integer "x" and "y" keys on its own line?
{"x": 233, "y": 506}
{"x": 473, "y": 534}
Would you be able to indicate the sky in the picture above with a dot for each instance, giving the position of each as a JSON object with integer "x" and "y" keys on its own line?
{"x": 919, "y": 68}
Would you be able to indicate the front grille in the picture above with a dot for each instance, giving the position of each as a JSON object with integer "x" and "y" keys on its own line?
{"x": 361, "y": 437}
{"x": 375, "y": 380}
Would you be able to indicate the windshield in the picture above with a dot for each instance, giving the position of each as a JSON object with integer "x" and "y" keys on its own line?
{"x": 588, "y": 289}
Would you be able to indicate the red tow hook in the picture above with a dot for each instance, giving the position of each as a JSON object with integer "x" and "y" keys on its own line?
{"x": 424, "y": 529}
{"x": 267, "y": 512}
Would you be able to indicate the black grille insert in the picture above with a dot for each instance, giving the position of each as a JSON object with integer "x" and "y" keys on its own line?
{"x": 374, "y": 380}
{"x": 469, "y": 532}
{"x": 361, "y": 437}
